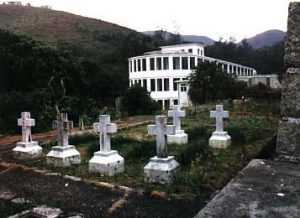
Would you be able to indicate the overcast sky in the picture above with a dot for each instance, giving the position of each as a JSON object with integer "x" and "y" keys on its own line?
{"x": 213, "y": 18}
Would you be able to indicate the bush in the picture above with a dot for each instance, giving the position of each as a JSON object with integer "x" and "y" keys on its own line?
{"x": 137, "y": 101}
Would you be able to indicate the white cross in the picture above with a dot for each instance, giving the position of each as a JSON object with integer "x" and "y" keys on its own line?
{"x": 219, "y": 114}
{"x": 176, "y": 113}
{"x": 104, "y": 128}
{"x": 62, "y": 125}
{"x": 26, "y": 122}
{"x": 161, "y": 129}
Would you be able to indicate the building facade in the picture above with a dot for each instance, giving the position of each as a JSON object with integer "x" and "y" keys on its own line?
{"x": 165, "y": 72}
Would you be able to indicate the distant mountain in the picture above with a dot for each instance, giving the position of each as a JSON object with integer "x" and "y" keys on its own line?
{"x": 186, "y": 38}
{"x": 267, "y": 38}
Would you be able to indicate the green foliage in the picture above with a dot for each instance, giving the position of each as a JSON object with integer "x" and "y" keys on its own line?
{"x": 209, "y": 83}
{"x": 8, "y": 208}
{"x": 137, "y": 100}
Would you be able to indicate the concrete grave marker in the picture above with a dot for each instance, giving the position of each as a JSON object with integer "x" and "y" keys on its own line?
{"x": 180, "y": 137}
{"x": 26, "y": 148}
{"x": 219, "y": 138}
{"x": 161, "y": 168}
{"x": 63, "y": 154}
{"x": 106, "y": 161}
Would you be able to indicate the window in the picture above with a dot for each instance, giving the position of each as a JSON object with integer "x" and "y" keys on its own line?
{"x": 134, "y": 65}
{"x": 184, "y": 63}
{"x": 144, "y": 64}
{"x": 160, "y": 104}
{"x": 130, "y": 69}
{"x": 166, "y": 63}
{"x": 159, "y": 84}
{"x": 176, "y": 63}
{"x": 152, "y": 64}
{"x": 183, "y": 88}
{"x": 140, "y": 82}
{"x": 145, "y": 83}
{"x": 198, "y": 51}
{"x": 192, "y": 63}
{"x": 175, "y": 85}
{"x": 175, "y": 101}
{"x": 190, "y": 50}
{"x": 158, "y": 64}
{"x": 152, "y": 81}
{"x": 167, "y": 104}
{"x": 166, "y": 84}
{"x": 139, "y": 64}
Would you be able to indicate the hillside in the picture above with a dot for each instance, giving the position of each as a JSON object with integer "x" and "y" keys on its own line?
{"x": 267, "y": 38}
{"x": 56, "y": 28}
{"x": 186, "y": 38}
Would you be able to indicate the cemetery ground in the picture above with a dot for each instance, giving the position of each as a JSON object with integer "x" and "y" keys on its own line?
{"x": 204, "y": 171}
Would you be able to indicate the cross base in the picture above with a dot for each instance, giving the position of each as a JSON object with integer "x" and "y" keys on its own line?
{"x": 220, "y": 140}
{"x": 161, "y": 170}
{"x": 27, "y": 150}
{"x": 106, "y": 163}
{"x": 63, "y": 156}
{"x": 180, "y": 137}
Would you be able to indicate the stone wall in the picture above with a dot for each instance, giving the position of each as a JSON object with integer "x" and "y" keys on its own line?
{"x": 288, "y": 140}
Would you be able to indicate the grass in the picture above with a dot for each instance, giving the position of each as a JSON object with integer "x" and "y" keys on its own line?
{"x": 8, "y": 208}
{"x": 203, "y": 169}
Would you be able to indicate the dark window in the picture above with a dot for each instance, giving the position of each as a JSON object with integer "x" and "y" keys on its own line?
{"x": 159, "y": 84}
{"x": 145, "y": 83}
{"x": 183, "y": 88}
{"x": 153, "y": 85}
{"x": 139, "y": 64}
{"x": 160, "y": 104}
{"x": 167, "y": 104}
{"x": 130, "y": 67}
{"x": 140, "y": 82}
{"x": 144, "y": 64}
{"x": 175, "y": 85}
{"x": 175, "y": 101}
{"x": 192, "y": 63}
{"x": 134, "y": 65}
{"x": 166, "y": 84}
{"x": 184, "y": 63}
{"x": 152, "y": 64}
{"x": 158, "y": 64}
{"x": 190, "y": 50}
{"x": 166, "y": 63}
{"x": 176, "y": 63}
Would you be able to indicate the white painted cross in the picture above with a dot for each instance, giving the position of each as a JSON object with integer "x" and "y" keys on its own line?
{"x": 63, "y": 126}
{"x": 219, "y": 114}
{"x": 104, "y": 128}
{"x": 176, "y": 113}
{"x": 26, "y": 122}
{"x": 161, "y": 129}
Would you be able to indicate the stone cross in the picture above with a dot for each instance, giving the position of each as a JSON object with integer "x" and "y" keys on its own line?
{"x": 63, "y": 125}
{"x": 161, "y": 129}
{"x": 176, "y": 113}
{"x": 26, "y": 122}
{"x": 104, "y": 128}
{"x": 219, "y": 114}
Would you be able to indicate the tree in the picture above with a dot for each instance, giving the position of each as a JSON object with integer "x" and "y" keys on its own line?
{"x": 208, "y": 82}
{"x": 137, "y": 100}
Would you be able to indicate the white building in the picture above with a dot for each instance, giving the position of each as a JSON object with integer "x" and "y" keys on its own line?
{"x": 164, "y": 73}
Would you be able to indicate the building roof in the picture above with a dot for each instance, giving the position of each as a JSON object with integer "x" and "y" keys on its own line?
{"x": 183, "y": 45}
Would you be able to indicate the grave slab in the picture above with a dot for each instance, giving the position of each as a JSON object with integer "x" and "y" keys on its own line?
{"x": 27, "y": 148}
{"x": 220, "y": 138}
{"x": 63, "y": 155}
{"x": 263, "y": 188}
{"x": 106, "y": 161}
{"x": 180, "y": 137}
{"x": 161, "y": 168}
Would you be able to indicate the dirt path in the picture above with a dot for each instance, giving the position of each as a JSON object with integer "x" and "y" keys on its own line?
{"x": 90, "y": 198}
